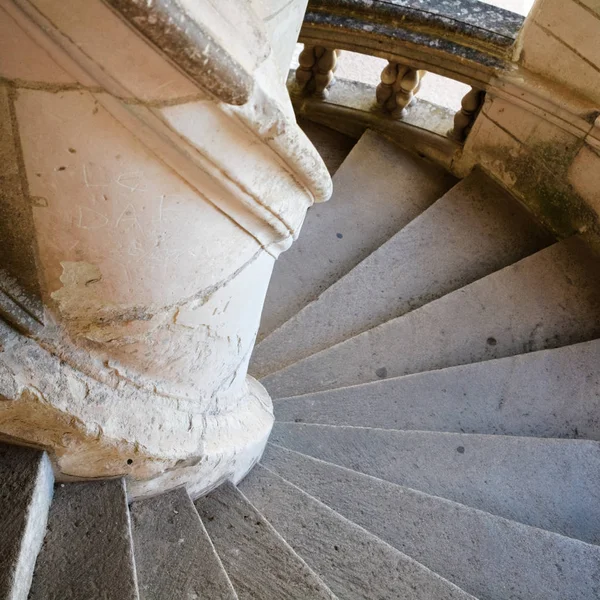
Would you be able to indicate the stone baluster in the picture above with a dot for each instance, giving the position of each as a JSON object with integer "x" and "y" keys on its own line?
{"x": 465, "y": 117}
{"x": 316, "y": 68}
{"x": 398, "y": 87}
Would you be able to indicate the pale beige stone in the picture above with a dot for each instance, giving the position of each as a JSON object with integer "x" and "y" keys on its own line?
{"x": 573, "y": 25}
{"x": 547, "y": 55}
{"x": 107, "y": 42}
{"x": 30, "y": 63}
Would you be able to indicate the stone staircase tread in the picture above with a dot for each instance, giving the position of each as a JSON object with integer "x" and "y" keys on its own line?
{"x": 25, "y": 495}
{"x": 174, "y": 555}
{"x": 548, "y": 393}
{"x": 547, "y": 300}
{"x": 495, "y": 473}
{"x": 87, "y": 552}
{"x": 378, "y": 190}
{"x": 486, "y": 555}
{"x": 356, "y": 564}
{"x": 475, "y": 229}
{"x": 257, "y": 559}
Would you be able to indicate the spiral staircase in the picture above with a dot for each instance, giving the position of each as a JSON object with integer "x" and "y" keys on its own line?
{"x": 431, "y": 341}
{"x": 437, "y": 399}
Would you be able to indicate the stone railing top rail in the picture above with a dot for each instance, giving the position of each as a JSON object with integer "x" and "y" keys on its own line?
{"x": 467, "y": 29}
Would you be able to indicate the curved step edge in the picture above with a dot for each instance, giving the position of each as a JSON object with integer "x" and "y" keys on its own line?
{"x": 174, "y": 555}
{"x": 486, "y": 555}
{"x": 547, "y": 300}
{"x": 354, "y": 563}
{"x": 548, "y": 393}
{"x": 552, "y": 484}
{"x": 259, "y": 562}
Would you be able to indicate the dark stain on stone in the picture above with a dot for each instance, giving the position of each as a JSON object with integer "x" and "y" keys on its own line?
{"x": 461, "y": 449}
{"x": 491, "y": 341}
{"x": 339, "y": 236}
{"x": 381, "y": 372}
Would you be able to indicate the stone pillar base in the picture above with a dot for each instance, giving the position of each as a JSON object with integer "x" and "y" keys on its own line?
{"x": 96, "y": 430}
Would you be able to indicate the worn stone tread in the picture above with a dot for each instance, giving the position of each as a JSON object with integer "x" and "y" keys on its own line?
{"x": 174, "y": 555}
{"x": 487, "y": 556}
{"x": 25, "y": 494}
{"x": 549, "y": 393}
{"x": 548, "y": 483}
{"x": 474, "y": 229}
{"x": 547, "y": 300}
{"x": 354, "y": 563}
{"x": 258, "y": 561}
{"x": 87, "y": 552}
{"x": 378, "y": 189}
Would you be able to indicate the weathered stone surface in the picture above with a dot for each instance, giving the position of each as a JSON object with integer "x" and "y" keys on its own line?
{"x": 550, "y": 393}
{"x": 259, "y": 562}
{"x": 87, "y": 552}
{"x": 378, "y": 190}
{"x": 547, "y": 300}
{"x": 25, "y": 495}
{"x": 475, "y": 229}
{"x": 548, "y": 483}
{"x": 174, "y": 556}
{"x": 487, "y": 556}
{"x": 332, "y": 145}
{"x": 354, "y": 563}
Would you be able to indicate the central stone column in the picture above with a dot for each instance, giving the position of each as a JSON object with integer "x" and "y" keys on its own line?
{"x": 154, "y": 172}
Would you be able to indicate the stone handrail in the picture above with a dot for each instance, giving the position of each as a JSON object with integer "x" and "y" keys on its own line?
{"x": 424, "y": 34}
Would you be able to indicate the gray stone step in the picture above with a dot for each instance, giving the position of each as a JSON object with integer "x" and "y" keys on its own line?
{"x": 474, "y": 229}
{"x": 87, "y": 552}
{"x": 487, "y": 556}
{"x": 258, "y": 561}
{"x": 354, "y": 563}
{"x": 548, "y": 483}
{"x": 547, "y": 300}
{"x": 174, "y": 555}
{"x": 550, "y": 393}
{"x": 25, "y": 494}
{"x": 378, "y": 189}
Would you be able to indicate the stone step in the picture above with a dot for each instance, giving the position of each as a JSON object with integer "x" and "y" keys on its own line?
{"x": 258, "y": 561}
{"x": 174, "y": 555}
{"x": 548, "y": 483}
{"x": 487, "y": 556}
{"x": 354, "y": 563}
{"x": 378, "y": 190}
{"x": 550, "y": 393}
{"x": 547, "y": 300}
{"x": 87, "y": 552}
{"x": 474, "y": 229}
{"x": 25, "y": 495}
